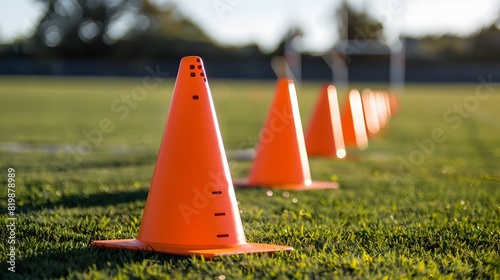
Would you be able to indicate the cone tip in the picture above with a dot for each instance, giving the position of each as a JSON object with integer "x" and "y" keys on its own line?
{"x": 366, "y": 91}
{"x": 331, "y": 88}
{"x": 341, "y": 153}
{"x": 283, "y": 83}
{"x": 191, "y": 59}
{"x": 354, "y": 91}
{"x": 285, "y": 80}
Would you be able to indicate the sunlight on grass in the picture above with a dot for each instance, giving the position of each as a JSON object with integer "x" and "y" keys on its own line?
{"x": 436, "y": 216}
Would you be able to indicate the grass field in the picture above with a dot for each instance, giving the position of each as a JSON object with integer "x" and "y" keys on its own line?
{"x": 403, "y": 210}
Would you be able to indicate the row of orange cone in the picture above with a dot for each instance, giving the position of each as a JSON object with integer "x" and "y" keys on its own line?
{"x": 191, "y": 207}
{"x": 282, "y": 154}
{"x": 362, "y": 116}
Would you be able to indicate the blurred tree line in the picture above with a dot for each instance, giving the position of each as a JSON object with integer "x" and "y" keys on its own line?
{"x": 139, "y": 29}
{"x": 112, "y": 28}
{"x": 121, "y": 37}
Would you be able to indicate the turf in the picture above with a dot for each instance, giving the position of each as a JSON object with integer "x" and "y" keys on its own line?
{"x": 403, "y": 210}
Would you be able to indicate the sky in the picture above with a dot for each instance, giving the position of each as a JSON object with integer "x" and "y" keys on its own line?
{"x": 264, "y": 22}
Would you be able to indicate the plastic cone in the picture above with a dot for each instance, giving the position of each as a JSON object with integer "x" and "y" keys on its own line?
{"x": 393, "y": 103}
{"x": 387, "y": 104}
{"x": 191, "y": 207}
{"x": 382, "y": 110}
{"x": 370, "y": 112}
{"x": 324, "y": 134}
{"x": 353, "y": 121}
{"x": 281, "y": 158}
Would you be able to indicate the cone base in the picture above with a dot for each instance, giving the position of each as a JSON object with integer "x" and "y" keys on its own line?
{"x": 314, "y": 185}
{"x": 207, "y": 252}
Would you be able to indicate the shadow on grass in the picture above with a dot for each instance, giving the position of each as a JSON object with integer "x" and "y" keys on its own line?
{"x": 92, "y": 200}
{"x": 60, "y": 263}
{"x": 115, "y": 162}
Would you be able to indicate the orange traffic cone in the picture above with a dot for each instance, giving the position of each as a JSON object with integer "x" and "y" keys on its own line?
{"x": 353, "y": 121}
{"x": 281, "y": 159}
{"x": 370, "y": 112}
{"x": 324, "y": 135}
{"x": 393, "y": 103}
{"x": 191, "y": 207}
{"x": 382, "y": 110}
{"x": 387, "y": 104}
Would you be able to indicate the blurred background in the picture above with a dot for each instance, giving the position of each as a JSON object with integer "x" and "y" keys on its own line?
{"x": 362, "y": 40}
